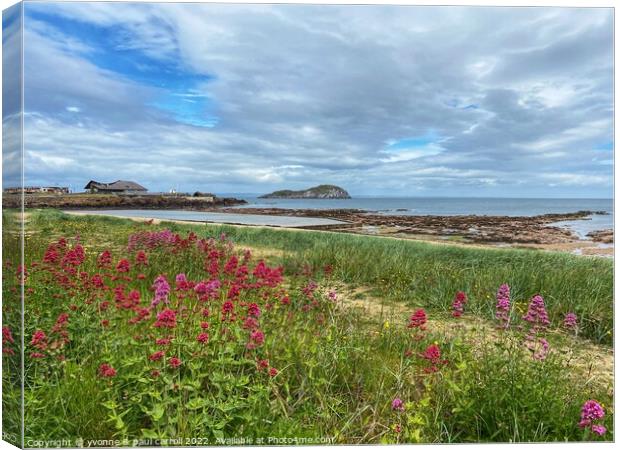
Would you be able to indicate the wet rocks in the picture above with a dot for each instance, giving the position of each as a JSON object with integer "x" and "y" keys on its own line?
{"x": 602, "y": 236}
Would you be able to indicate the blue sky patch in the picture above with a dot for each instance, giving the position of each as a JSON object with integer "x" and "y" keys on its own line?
{"x": 180, "y": 98}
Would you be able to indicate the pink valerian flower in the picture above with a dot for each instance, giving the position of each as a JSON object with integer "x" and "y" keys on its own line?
{"x": 141, "y": 258}
{"x": 570, "y": 321}
{"x": 257, "y": 338}
{"x": 7, "y": 341}
{"x": 157, "y": 355}
{"x": 250, "y": 323}
{"x": 309, "y": 289}
{"x": 163, "y": 341}
{"x": 122, "y": 266}
{"x": 253, "y": 310}
{"x": 162, "y": 290}
{"x": 181, "y": 282}
{"x": 39, "y": 340}
{"x": 166, "y": 319}
{"x": 104, "y": 259}
{"x": 398, "y": 405}
{"x": 273, "y": 372}
{"x": 203, "y": 338}
{"x": 418, "y": 319}
{"x": 262, "y": 364}
{"x": 74, "y": 257}
{"x": 174, "y": 362}
{"x": 537, "y": 313}
{"x": 231, "y": 265}
{"x": 97, "y": 281}
{"x": 234, "y": 292}
{"x": 458, "y": 304}
{"x": 332, "y": 296}
{"x": 106, "y": 371}
{"x": 207, "y": 290}
{"x": 227, "y": 308}
{"x": 502, "y": 307}
{"x": 592, "y": 411}
{"x": 433, "y": 355}
{"x": 52, "y": 255}
{"x": 7, "y": 336}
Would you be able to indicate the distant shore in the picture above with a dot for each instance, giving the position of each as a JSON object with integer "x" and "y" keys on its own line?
{"x": 113, "y": 201}
{"x": 538, "y": 232}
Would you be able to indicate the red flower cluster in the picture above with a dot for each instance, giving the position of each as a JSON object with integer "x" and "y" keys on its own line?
{"x": 123, "y": 266}
{"x": 458, "y": 304}
{"x": 432, "y": 354}
{"x": 141, "y": 258}
{"x": 174, "y": 362}
{"x": 166, "y": 319}
{"x": 418, "y": 320}
{"x": 106, "y": 371}
{"x": 7, "y": 341}
{"x": 105, "y": 259}
{"x": 203, "y": 338}
{"x": 157, "y": 355}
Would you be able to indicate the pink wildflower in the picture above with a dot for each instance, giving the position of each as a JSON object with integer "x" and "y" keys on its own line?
{"x": 536, "y": 312}
{"x": 590, "y": 412}
{"x": 122, "y": 266}
{"x": 166, "y": 319}
{"x": 458, "y": 304}
{"x": 174, "y": 362}
{"x": 162, "y": 290}
{"x": 418, "y": 319}
{"x": 398, "y": 405}
{"x": 502, "y": 308}
{"x": 157, "y": 355}
{"x": 570, "y": 321}
{"x": 106, "y": 371}
{"x": 203, "y": 338}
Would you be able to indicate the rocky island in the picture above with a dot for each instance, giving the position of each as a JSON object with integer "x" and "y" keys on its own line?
{"x": 323, "y": 191}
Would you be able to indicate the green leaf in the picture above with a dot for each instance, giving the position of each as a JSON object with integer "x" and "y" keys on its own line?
{"x": 157, "y": 412}
{"x": 196, "y": 403}
{"x": 149, "y": 434}
{"x": 110, "y": 404}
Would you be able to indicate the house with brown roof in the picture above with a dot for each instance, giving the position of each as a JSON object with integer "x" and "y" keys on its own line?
{"x": 117, "y": 187}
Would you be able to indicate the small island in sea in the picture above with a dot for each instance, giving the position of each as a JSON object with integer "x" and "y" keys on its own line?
{"x": 323, "y": 191}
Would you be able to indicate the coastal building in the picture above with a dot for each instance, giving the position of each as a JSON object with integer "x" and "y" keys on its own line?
{"x": 37, "y": 190}
{"x": 117, "y": 187}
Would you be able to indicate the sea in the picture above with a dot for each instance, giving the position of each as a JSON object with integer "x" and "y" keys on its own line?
{"x": 446, "y": 206}
{"x": 441, "y": 206}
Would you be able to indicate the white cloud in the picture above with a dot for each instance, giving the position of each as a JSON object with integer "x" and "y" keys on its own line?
{"x": 306, "y": 94}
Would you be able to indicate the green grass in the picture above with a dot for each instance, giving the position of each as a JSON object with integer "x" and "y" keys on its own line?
{"x": 339, "y": 368}
{"x": 424, "y": 274}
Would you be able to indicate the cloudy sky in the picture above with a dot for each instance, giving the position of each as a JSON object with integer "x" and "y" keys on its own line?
{"x": 381, "y": 100}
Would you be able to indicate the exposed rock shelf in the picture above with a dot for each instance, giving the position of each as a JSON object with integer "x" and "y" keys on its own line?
{"x": 470, "y": 228}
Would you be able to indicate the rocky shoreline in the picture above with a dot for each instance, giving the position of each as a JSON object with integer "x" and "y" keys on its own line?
{"x": 469, "y": 228}
{"x": 111, "y": 201}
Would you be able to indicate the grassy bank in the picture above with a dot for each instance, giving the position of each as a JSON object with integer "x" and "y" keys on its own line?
{"x": 423, "y": 274}
{"x": 285, "y": 354}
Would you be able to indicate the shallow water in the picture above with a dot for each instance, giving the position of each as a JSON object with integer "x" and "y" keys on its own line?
{"x": 582, "y": 227}
{"x": 229, "y": 218}
{"x": 442, "y": 206}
